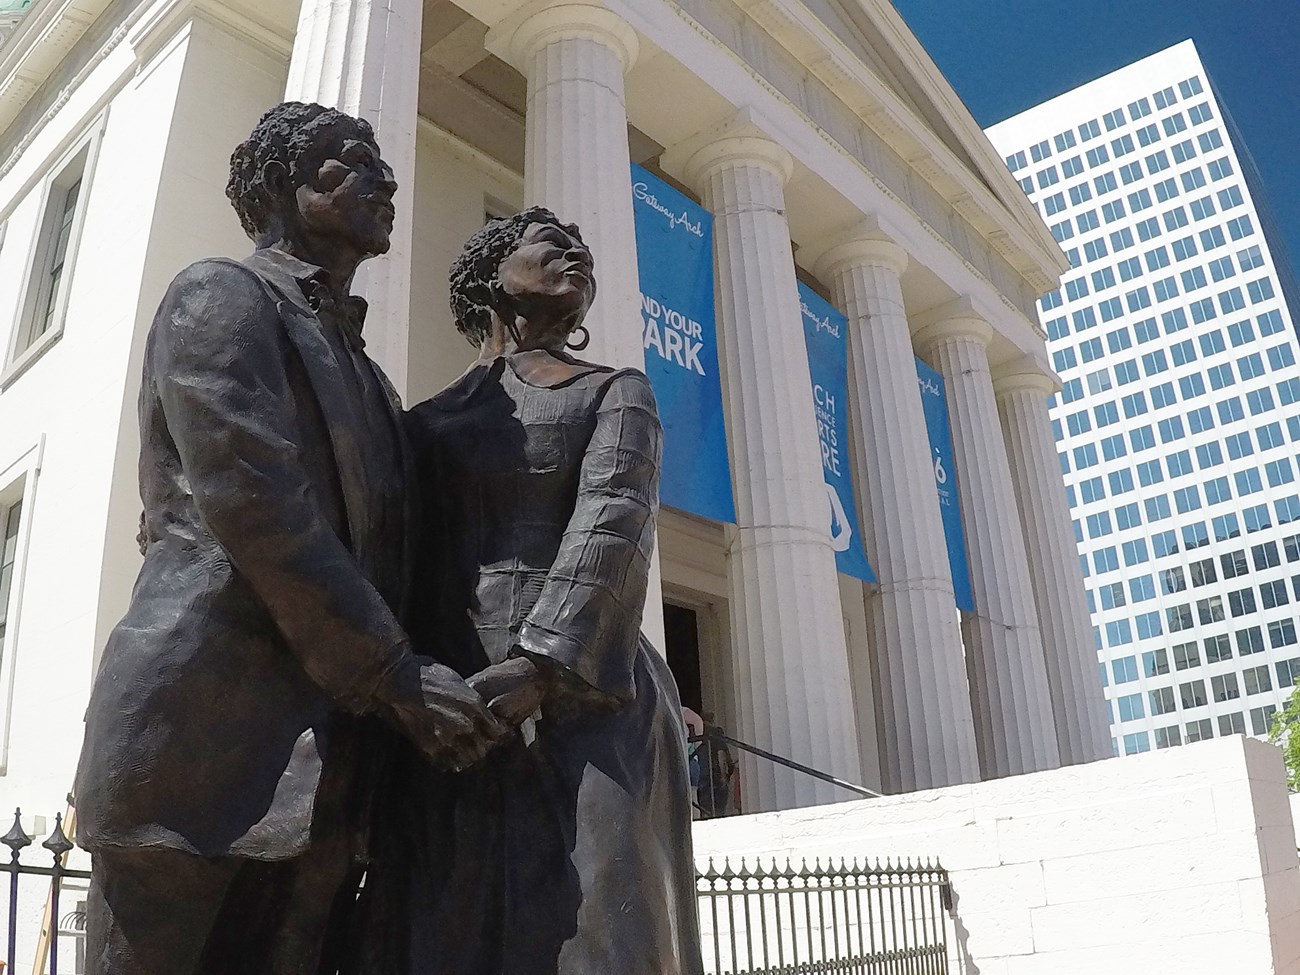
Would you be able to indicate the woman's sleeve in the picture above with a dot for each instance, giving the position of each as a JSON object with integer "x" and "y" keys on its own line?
{"x": 587, "y": 619}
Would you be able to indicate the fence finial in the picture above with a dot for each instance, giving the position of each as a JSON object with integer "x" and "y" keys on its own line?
{"x": 58, "y": 842}
{"x": 17, "y": 837}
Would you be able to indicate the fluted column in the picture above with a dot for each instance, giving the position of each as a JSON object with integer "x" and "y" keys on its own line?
{"x": 1015, "y": 731}
{"x": 791, "y": 660}
{"x": 574, "y": 55}
{"x": 363, "y": 57}
{"x": 576, "y": 163}
{"x": 925, "y": 726}
{"x": 1063, "y": 619}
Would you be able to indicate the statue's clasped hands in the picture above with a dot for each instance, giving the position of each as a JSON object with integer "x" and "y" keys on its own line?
{"x": 446, "y": 719}
{"x": 513, "y": 689}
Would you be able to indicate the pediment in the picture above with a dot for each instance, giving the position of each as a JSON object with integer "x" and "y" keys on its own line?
{"x": 875, "y": 32}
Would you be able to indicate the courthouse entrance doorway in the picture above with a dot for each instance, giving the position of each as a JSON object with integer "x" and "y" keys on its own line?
{"x": 682, "y": 646}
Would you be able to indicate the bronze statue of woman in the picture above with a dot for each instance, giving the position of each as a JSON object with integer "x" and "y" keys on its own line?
{"x": 568, "y": 850}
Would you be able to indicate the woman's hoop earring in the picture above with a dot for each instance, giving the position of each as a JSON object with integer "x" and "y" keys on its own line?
{"x": 583, "y": 342}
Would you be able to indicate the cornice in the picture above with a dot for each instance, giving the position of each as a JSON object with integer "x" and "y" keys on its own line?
{"x": 43, "y": 38}
{"x": 905, "y": 44}
{"x": 142, "y": 28}
{"x": 905, "y": 204}
{"x": 833, "y": 63}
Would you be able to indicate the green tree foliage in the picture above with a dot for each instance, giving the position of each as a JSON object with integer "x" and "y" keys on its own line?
{"x": 1286, "y": 733}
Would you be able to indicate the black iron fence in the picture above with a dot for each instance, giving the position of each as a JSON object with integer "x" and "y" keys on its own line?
{"x": 764, "y": 919}
{"x": 58, "y": 845}
{"x": 834, "y": 918}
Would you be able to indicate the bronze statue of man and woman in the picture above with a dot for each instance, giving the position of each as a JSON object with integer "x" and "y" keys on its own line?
{"x": 380, "y": 704}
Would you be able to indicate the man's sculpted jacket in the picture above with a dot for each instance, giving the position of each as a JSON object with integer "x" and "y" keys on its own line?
{"x": 260, "y": 624}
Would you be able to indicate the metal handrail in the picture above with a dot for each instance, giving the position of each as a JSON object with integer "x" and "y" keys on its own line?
{"x": 789, "y": 763}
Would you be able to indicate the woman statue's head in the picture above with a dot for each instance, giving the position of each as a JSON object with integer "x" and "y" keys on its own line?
{"x": 532, "y": 272}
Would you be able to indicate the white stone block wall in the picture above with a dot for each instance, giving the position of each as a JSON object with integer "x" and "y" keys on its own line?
{"x": 1181, "y": 860}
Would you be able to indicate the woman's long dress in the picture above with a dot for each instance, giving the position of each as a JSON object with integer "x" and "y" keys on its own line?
{"x": 570, "y": 854}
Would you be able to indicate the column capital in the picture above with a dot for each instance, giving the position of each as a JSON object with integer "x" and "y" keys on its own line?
{"x": 863, "y": 245}
{"x": 740, "y": 138}
{"x": 955, "y": 320}
{"x": 1029, "y": 372}
{"x": 517, "y": 38}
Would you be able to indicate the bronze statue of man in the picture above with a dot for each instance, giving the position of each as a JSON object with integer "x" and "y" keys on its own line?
{"x": 222, "y": 784}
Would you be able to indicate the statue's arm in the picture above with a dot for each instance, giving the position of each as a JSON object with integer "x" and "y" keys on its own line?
{"x": 220, "y": 358}
{"x": 586, "y": 622}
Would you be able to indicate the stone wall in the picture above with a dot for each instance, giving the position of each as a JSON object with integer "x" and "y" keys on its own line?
{"x": 1173, "y": 861}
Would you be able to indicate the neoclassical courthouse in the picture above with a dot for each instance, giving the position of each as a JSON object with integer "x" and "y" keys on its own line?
{"x": 834, "y": 159}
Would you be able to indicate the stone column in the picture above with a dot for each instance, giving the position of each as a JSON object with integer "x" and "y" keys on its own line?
{"x": 1063, "y": 618}
{"x": 576, "y": 163}
{"x": 1014, "y": 728}
{"x": 791, "y": 667}
{"x": 926, "y": 730}
{"x": 363, "y": 57}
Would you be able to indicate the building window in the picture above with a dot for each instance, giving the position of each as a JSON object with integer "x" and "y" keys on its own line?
{"x": 1226, "y": 527}
{"x": 1261, "y": 719}
{"x": 1186, "y": 655}
{"x": 1241, "y": 602}
{"x": 1288, "y": 672}
{"x": 1224, "y": 687}
{"x": 17, "y": 488}
{"x": 1250, "y": 640}
{"x": 1199, "y": 730}
{"x": 1273, "y": 594}
{"x": 1130, "y": 708}
{"x": 1162, "y": 701}
{"x": 44, "y": 301}
{"x": 1212, "y": 237}
{"x": 1192, "y": 693}
{"x": 1184, "y": 151}
{"x": 1281, "y": 633}
{"x": 1232, "y": 724}
{"x": 1218, "y": 649}
{"x": 1257, "y": 680}
{"x": 1168, "y": 737}
{"x": 11, "y": 515}
{"x": 1137, "y": 742}
{"x": 1210, "y": 610}
{"x": 1155, "y": 662}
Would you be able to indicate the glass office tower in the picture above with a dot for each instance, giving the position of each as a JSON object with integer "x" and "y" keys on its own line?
{"x": 1178, "y": 421}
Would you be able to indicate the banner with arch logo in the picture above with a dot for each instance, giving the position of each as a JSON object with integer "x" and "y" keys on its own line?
{"x": 825, "y": 332}
{"x": 674, "y": 245}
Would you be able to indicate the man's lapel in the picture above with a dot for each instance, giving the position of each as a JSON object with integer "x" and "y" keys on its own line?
{"x": 344, "y": 426}
{"x": 409, "y": 492}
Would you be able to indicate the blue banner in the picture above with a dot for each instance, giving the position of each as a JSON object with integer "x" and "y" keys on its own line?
{"x": 674, "y": 245}
{"x": 825, "y": 333}
{"x": 935, "y": 400}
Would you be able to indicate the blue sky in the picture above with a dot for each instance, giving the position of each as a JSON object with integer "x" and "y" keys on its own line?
{"x": 1003, "y": 56}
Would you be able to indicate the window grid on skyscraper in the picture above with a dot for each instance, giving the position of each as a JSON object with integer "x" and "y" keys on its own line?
{"x": 1195, "y": 368}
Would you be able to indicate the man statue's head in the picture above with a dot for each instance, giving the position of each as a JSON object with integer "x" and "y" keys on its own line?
{"x": 312, "y": 179}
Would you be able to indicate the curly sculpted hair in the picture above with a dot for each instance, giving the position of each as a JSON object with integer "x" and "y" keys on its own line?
{"x": 286, "y": 135}
{"x": 475, "y": 288}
